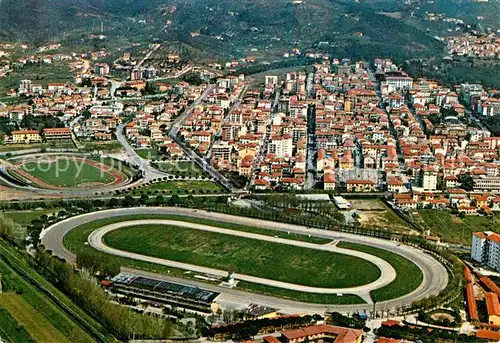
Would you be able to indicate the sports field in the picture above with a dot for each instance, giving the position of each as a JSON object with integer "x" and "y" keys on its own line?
{"x": 246, "y": 256}
{"x": 67, "y": 172}
{"x": 31, "y": 320}
{"x": 408, "y": 275}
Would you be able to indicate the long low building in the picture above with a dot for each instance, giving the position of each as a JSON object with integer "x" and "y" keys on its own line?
{"x": 318, "y": 333}
{"x": 164, "y": 292}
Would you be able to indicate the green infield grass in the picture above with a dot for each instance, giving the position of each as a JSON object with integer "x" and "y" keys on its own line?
{"x": 245, "y": 255}
{"x": 408, "y": 275}
{"x": 66, "y": 172}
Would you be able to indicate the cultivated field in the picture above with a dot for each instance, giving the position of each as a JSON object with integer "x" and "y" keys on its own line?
{"x": 33, "y": 321}
{"x": 34, "y": 311}
{"x": 11, "y": 331}
{"x": 452, "y": 228}
{"x": 246, "y": 256}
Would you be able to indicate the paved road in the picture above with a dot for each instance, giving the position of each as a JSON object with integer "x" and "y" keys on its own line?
{"x": 388, "y": 274}
{"x": 177, "y": 125}
{"x": 435, "y": 275}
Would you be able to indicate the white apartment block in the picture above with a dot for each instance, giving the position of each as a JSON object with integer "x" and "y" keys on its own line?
{"x": 396, "y": 83}
{"x": 429, "y": 179}
{"x": 281, "y": 146}
{"x": 486, "y": 249}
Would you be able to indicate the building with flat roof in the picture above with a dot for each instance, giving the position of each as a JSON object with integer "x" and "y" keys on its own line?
{"x": 486, "y": 248}
{"x": 174, "y": 294}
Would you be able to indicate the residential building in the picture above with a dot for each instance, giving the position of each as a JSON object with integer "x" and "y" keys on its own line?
{"x": 26, "y": 137}
{"x": 486, "y": 248}
{"x": 360, "y": 186}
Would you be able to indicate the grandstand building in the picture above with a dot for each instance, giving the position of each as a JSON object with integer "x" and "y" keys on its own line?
{"x": 163, "y": 292}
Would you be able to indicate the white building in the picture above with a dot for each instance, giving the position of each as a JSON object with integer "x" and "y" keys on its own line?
{"x": 281, "y": 146}
{"x": 429, "y": 178}
{"x": 397, "y": 83}
{"x": 486, "y": 248}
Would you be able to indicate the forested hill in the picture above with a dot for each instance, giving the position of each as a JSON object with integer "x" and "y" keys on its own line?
{"x": 224, "y": 26}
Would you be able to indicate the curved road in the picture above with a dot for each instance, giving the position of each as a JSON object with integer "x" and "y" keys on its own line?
{"x": 435, "y": 276}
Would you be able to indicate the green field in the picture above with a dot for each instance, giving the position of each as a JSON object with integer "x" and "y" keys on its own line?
{"x": 66, "y": 172}
{"x": 11, "y": 331}
{"x": 187, "y": 168}
{"x": 39, "y": 306}
{"x": 76, "y": 239}
{"x": 408, "y": 275}
{"x": 454, "y": 229}
{"x": 33, "y": 321}
{"x": 246, "y": 256}
{"x": 179, "y": 186}
{"x": 148, "y": 154}
{"x": 24, "y": 218}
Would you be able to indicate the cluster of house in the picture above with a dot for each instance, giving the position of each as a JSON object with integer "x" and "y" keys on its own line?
{"x": 100, "y": 124}
{"x": 203, "y": 126}
{"x": 475, "y": 45}
{"x": 152, "y": 119}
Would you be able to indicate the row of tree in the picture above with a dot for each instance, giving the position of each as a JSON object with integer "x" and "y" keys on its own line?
{"x": 82, "y": 287}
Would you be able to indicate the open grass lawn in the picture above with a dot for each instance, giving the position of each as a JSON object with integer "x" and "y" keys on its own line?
{"x": 243, "y": 255}
{"x": 180, "y": 187}
{"x": 148, "y": 154}
{"x": 11, "y": 331}
{"x": 66, "y": 172}
{"x": 24, "y": 218}
{"x": 187, "y": 168}
{"x": 454, "y": 229}
{"x": 33, "y": 321}
{"x": 408, "y": 277}
{"x": 37, "y": 305}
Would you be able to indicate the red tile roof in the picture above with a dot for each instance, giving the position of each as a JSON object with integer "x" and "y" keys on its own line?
{"x": 492, "y": 286}
{"x": 471, "y": 302}
{"x": 344, "y": 335}
{"x": 487, "y": 334}
{"x": 492, "y": 304}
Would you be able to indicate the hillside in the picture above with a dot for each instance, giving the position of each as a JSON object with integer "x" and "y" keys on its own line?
{"x": 224, "y": 28}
